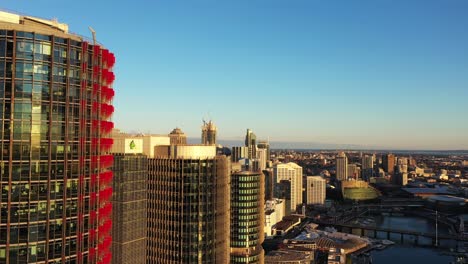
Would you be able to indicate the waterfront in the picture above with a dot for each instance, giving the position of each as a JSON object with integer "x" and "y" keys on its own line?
{"x": 403, "y": 254}
{"x": 407, "y": 253}
{"x": 410, "y": 223}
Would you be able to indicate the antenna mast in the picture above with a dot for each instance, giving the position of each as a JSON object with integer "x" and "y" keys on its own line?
{"x": 93, "y": 32}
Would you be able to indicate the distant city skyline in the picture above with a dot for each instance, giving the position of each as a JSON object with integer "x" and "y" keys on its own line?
{"x": 387, "y": 74}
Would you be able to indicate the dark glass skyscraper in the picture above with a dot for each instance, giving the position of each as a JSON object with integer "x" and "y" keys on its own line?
{"x": 55, "y": 182}
{"x": 247, "y": 217}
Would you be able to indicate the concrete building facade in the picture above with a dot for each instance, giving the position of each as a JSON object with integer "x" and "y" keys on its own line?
{"x": 316, "y": 190}
{"x": 341, "y": 167}
{"x": 293, "y": 173}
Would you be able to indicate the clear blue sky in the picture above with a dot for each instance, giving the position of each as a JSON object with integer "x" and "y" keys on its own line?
{"x": 376, "y": 73}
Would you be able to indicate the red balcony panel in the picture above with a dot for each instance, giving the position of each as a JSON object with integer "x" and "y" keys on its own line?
{"x": 104, "y": 246}
{"x": 105, "y": 211}
{"x": 105, "y": 228}
{"x": 106, "y": 144}
{"x": 107, "y": 110}
{"x": 107, "y": 161}
{"x": 106, "y": 126}
{"x": 92, "y": 234}
{"x": 111, "y": 61}
{"x": 94, "y": 142}
{"x": 106, "y": 177}
{"x": 92, "y": 199}
{"x": 108, "y": 76}
{"x": 107, "y": 258}
{"x": 95, "y": 107}
{"x": 92, "y": 216}
{"x": 92, "y": 254}
{"x": 84, "y": 46}
{"x": 107, "y": 93}
{"x": 105, "y": 195}
{"x": 96, "y": 88}
{"x": 105, "y": 53}
{"x": 96, "y": 70}
{"x": 103, "y": 126}
{"x": 96, "y": 50}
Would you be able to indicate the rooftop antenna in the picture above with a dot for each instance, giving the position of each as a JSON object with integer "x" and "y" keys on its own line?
{"x": 93, "y": 32}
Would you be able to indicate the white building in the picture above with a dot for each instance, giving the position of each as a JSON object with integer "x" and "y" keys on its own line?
{"x": 341, "y": 167}
{"x": 129, "y": 143}
{"x": 262, "y": 158}
{"x": 316, "y": 190}
{"x": 274, "y": 212}
{"x": 293, "y": 173}
{"x": 151, "y": 141}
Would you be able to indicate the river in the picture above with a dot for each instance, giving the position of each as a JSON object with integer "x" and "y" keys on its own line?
{"x": 407, "y": 253}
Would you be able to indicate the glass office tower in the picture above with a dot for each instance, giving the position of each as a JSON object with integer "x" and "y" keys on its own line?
{"x": 129, "y": 208}
{"x": 56, "y": 93}
{"x": 247, "y": 217}
{"x": 188, "y": 205}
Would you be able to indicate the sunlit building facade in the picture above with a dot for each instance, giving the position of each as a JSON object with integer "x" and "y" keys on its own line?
{"x": 292, "y": 173}
{"x": 188, "y": 205}
{"x": 209, "y": 133}
{"x": 341, "y": 167}
{"x": 56, "y": 186}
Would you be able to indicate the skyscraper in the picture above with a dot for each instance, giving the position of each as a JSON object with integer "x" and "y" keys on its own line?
{"x": 265, "y": 145}
{"x": 209, "y": 133}
{"x": 315, "y": 190}
{"x": 293, "y": 173}
{"x": 352, "y": 171}
{"x": 129, "y": 200}
{"x": 177, "y": 137}
{"x": 367, "y": 163}
{"x": 269, "y": 184}
{"x": 239, "y": 153}
{"x": 341, "y": 167}
{"x": 262, "y": 158}
{"x": 251, "y": 143}
{"x": 247, "y": 217}
{"x": 400, "y": 176}
{"x": 129, "y": 208}
{"x": 188, "y": 205}
{"x": 388, "y": 162}
{"x": 55, "y": 182}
